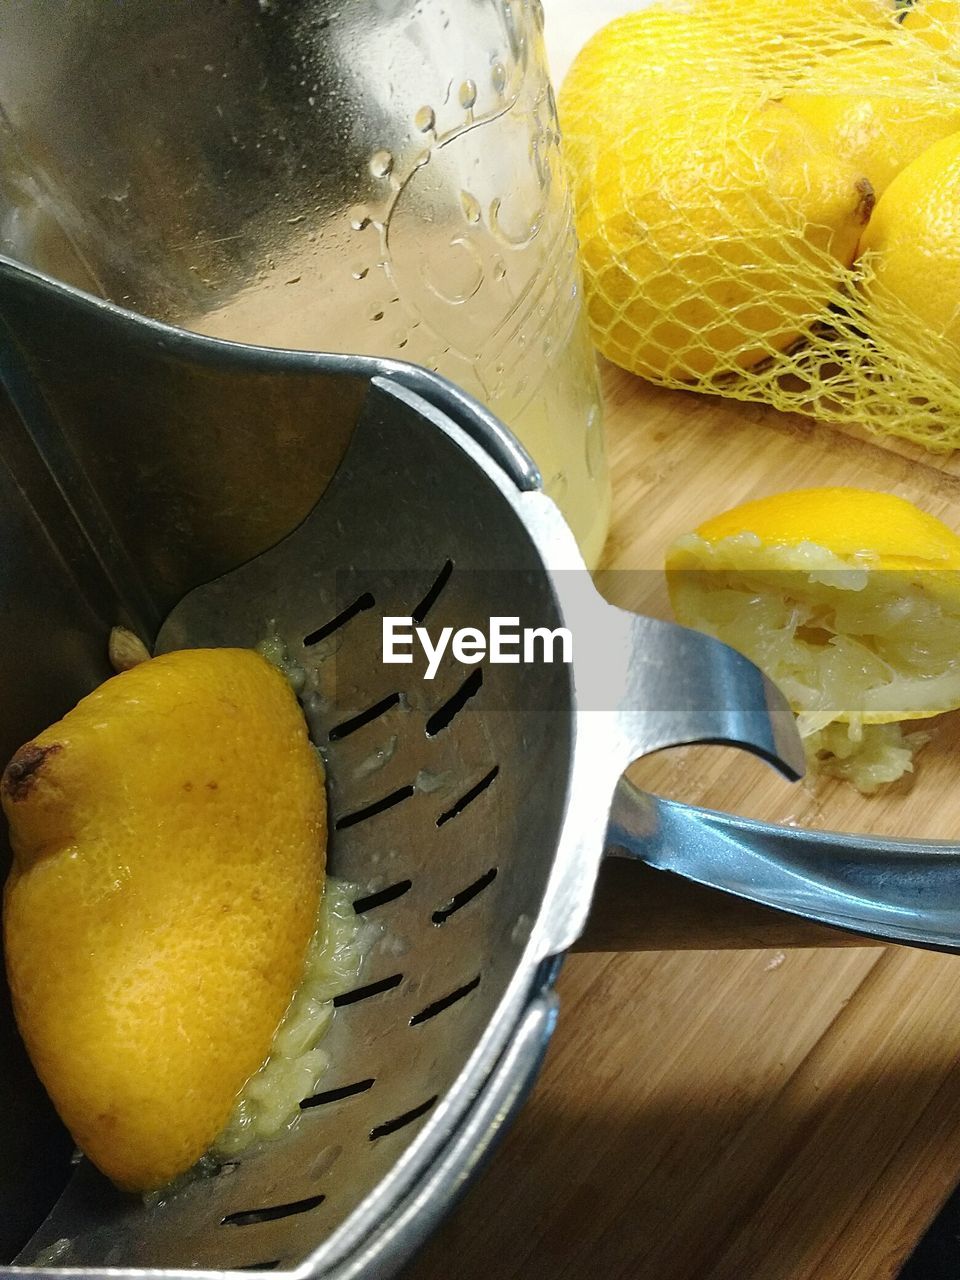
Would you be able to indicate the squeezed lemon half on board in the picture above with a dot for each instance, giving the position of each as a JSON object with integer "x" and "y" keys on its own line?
{"x": 849, "y": 599}
{"x": 169, "y": 839}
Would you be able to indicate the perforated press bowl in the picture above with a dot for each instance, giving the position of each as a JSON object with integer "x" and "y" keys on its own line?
{"x": 206, "y": 493}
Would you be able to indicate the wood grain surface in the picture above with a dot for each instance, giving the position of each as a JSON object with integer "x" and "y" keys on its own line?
{"x": 734, "y": 1115}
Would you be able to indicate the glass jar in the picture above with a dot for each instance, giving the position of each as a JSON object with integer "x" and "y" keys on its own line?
{"x": 378, "y": 176}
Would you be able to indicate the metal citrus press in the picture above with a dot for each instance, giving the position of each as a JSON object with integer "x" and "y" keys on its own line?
{"x": 210, "y": 493}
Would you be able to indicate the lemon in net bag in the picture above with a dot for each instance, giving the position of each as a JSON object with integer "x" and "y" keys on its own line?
{"x": 720, "y": 225}
{"x": 911, "y": 255}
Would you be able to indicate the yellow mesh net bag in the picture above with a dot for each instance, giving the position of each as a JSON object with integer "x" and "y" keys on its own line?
{"x": 767, "y": 196}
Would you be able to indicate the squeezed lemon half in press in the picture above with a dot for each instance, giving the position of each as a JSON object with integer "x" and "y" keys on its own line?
{"x": 169, "y": 838}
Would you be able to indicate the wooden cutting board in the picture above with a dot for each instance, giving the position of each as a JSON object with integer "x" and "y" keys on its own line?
{"x": 735, "y": 1115}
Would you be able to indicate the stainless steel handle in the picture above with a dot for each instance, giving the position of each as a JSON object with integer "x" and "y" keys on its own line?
{"x": 643, "y": 685}
{"x": 668, "y": 685}
{"x": 905, "y": 891}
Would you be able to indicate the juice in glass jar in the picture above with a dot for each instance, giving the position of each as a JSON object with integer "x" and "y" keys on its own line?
{"x": 456, "y": 249}
{"x": 380, "y": 177}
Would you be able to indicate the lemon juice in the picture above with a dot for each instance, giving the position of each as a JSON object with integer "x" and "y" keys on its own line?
{"x": 523, "y": 348}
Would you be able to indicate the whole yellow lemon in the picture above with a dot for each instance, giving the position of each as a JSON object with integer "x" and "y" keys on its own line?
{"x": 794, "y": 31}
{"x": 168, "y": 837}
{"x": 935, "y": 21}
{"x": 878, "y": 126}
{"x": 633, "y": 59}
{"x": 712, "y": 229}
{"x": 911, "y": 251}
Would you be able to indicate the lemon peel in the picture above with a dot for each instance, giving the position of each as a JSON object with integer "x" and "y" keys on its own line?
{"x": 169, "y": 837}
{"x": 911, "y": 253}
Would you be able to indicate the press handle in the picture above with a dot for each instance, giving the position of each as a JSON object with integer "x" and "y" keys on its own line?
{"x": 904, "y": 891}
{"x": 669, "y": 686}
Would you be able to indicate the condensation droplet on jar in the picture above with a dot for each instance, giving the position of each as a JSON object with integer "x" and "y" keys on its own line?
{"x": 425, "y": 119}
{"x": 376, "y": 312}
{"x": 468, "y": 94}
{"x": 499, "y": 269}
{"x": 381, "y": 164}
{"x": 498, "y": 77}
{"x": 470, "y": 206}
{"x": 594, "y": 443}
{"x": 360, "y": 272}
{"x": 359, "y": 219}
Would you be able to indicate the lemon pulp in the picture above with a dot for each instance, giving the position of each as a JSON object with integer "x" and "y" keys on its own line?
{"x": 269, "y": 1103}
{"x": 843, "y": 643}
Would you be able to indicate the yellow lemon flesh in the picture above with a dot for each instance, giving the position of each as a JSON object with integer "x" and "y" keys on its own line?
{"x": 169, "y": 837}
{"x": 847, "y": 598}
{"x": 876, "y": 126}
{"x": 911, "y": 257}
{"x": 712, "y": 224}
